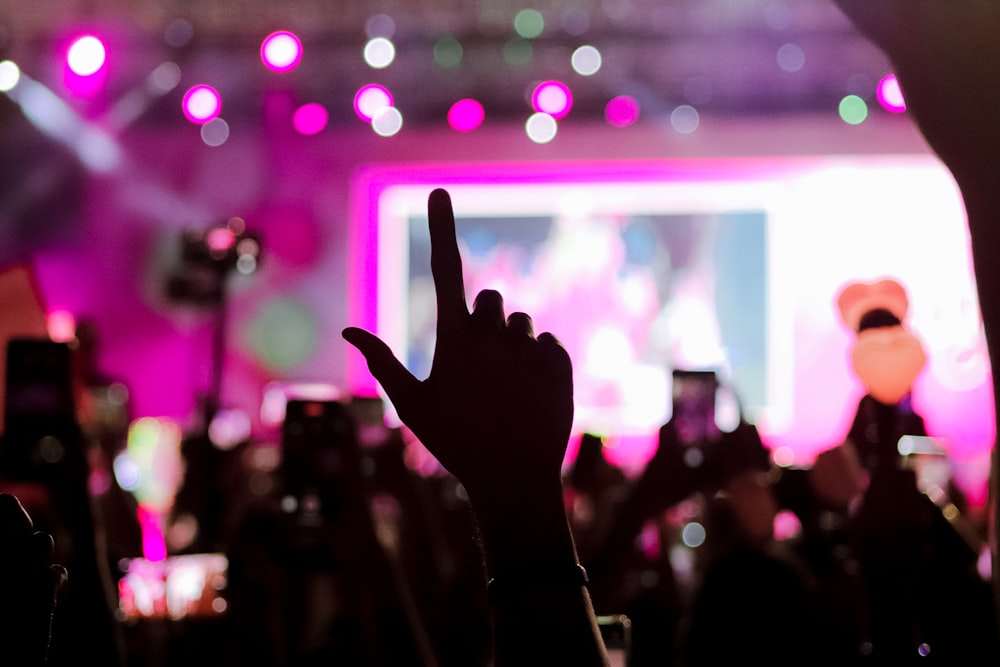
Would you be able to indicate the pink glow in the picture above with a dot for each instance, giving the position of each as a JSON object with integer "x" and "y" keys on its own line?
{"x": 953, "y": 395}
{"x": 61, "y": 325}
{"x": 201, "y": 104}
{"x": 281, "y": 51}
{"x": 553, "y": 98}
{"x": 310, "y": 119}
{"x": 154, "y": 545}
{"x": 466, "y": 115}
{"x": 890, "y": 95}
{"x": 622, "y": 111}
{"x": 371, "y": 99}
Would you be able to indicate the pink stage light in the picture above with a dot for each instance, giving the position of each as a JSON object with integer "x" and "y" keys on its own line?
{"x": 310, "y": 118}
{"x": 61, "y": 326}
{"x": 281, "y": 51}
{"x": 201, "y": 104}
{"x": 86, "y": 56}
{"x": 466, "y": 115}
{"x": 890, "y": 96}
{"x": 553, "y": 98}
{"x": 371, "y": 99}
{"x": 622, "y": 111}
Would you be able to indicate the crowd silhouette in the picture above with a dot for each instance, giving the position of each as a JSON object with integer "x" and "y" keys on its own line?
{"x": 506, "y": 556}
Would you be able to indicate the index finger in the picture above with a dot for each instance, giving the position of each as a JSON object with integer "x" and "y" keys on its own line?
{"x": 446, "y": 262}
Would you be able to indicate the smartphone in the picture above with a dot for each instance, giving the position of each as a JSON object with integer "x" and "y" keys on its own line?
{"x": 189, "y": 585}
{"x": 693, "y": 408}
{"x": 616, "y": 631}
{"x": 319, "y": 454}
{"x": 41, "y": 431}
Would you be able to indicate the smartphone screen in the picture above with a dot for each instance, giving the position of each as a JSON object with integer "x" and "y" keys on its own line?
{"x": 189, "y": 585}
{"x": 40, "y": 427}
{"x": 693, "y": 409}
{"x": 616, "y": 631}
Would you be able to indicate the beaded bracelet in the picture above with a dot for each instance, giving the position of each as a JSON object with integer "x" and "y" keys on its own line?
{"x": 524, "y": 577}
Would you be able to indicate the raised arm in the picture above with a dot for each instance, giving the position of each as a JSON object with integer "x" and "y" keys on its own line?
{"x": 947, "y": 57}
{"x": 496, "y": 410}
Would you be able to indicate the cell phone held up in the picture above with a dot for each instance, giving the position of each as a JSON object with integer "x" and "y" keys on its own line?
{"x": 693, "y": 409}
{"x": 41, "y": 432}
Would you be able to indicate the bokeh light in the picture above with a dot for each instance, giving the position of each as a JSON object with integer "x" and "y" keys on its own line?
{"x": 518, "y": 53}
{"x": 61, "y": 325}
{"x": 310, "y": 118}
{"x": 890, "y": 95}
{"x": 693, "y": 534}
{"x": 201, "y": 103}
{"x": 380, "y": 25}
{"x": 791, "y": 57}
{"x": 163, "y": 79}
{"x": 283, "y": 334}
{"x": 10, "y": 74}
{"x": 685, "y": 119}
{"x": 178, "y": 33}
{"x": 466, "y": 115}
{"x": 553, "y": 98}
{"x": 447, "y": 52}
{"x": 586, "y": 60}
{"x": 379, "y": 52}
{"x": 281, "y": 51}
{"x": 215, "y": 132}
{"x": 529, "y": 23}
{"x": 541, "y": 128}
{"x": 387, "y": 121}
{"x": 86, "y": 56}
{"x": 853, "y": 110}
{"x": 622, "y": 111}
{"x": 370, "y": 99}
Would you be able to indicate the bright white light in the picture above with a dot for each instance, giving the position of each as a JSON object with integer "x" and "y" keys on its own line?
{"x": 281, "y": 51}
{"x": 10, "y": 74}
{"x": 127, "y": 472}
{"x": 371, "y": 99}
{"x": 86, "y": 56}
{"x": 387, "y": 122}
{"x": 693, "y": 534}
{"x": 586, "y": 60}
{"x": 541, "y": 128}
{"x": 379, "y": 52}
{"x": 684, "y": 119}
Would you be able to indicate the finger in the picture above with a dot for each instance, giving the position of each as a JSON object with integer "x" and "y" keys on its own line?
{"x": 399, "y": 383}
{"x": 15, "y": 522}
{"x": 487, "y": 310}
{"x": 520, "y": 325}
{"x": 555, "y": 357}
{"x": 446, "y": 262}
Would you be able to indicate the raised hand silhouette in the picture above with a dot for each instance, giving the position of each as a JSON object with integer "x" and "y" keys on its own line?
{"x": 497, "y": 411}
{"x": 29, "y": 586}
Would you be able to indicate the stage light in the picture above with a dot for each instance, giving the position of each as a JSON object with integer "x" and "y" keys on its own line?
{"x": 201, "y": 104}
{"x": 447, "y": 52}
{"x": 387, "y": 121}
{"x": 853, "y": 110}
{"x": 466, "y": 115}
{"x": 685, "y": 119}
{"x": 529, "y": 23}
{"x": 371, "y": 99}
{"x": 890, "y": 95}
{"x": 586, "y": 60}
{"x": 553, "y": 98}
{"x": 10, "y": 74}
{"x": 541, "y": 128}
{"x": 86, "y": 56}
{"x": 379, "y": 52}
{"x": 281, "y": 51}
{"x": 61, "y": 326}
{"x": 622, "y": 111}
{"x": 310, "y": 118}
{"x": 791, "y": 57}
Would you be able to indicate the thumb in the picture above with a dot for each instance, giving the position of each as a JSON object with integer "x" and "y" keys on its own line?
{"x": 399, "y": 383}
